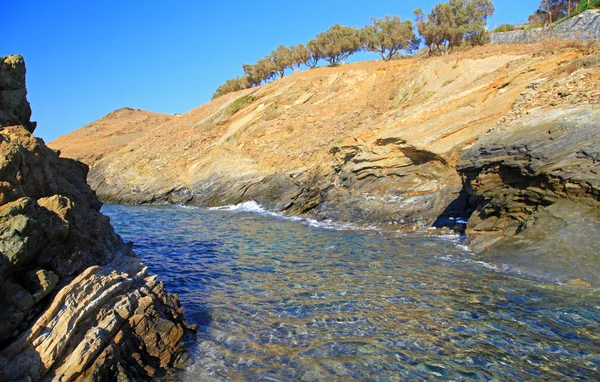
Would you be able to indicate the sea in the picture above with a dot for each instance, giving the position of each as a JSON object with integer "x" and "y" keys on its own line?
{"x": 281, "y": 298}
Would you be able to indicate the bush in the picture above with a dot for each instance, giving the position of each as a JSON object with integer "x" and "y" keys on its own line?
{"x": 585, "y": 5}
{"x": 504, "y": 28}
{"x": 239, "y": 104}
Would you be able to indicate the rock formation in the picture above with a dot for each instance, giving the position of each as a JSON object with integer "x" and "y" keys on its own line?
{"x": 534, "y": 181}
{"x": 367, "y": 143}
{"x": 14, "y": 107}
{"x": 75, "y": 301}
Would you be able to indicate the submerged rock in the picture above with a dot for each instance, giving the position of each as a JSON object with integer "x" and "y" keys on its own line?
{"x": 75, "y": 301}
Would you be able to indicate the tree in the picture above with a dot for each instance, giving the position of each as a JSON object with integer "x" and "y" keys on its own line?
{"x": 336, "y": 44}
{"x": 550, "y": 11}
{"x": 282, "y": 58}
{"x": 455, "y": 23}
{"x": 388, "y": 36}
{"x": 314, "y": 54}
{"x": 300, "y": 55}
{"x": 232, "y": 85}
{"x": 263, "y": 70}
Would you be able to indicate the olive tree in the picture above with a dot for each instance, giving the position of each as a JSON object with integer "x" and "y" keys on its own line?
{"x": 336, "y": 44}
{"x": 455, "y": 23}
{"x": 300, "y": 55}
{"x": 232, "y": 85}
{"x": 388, "y": 36}
{"x": 282, "y": 59}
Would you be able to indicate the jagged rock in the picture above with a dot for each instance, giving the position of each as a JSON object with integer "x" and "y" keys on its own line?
{"x": 40, "y": 283}
{"x": 75, "y": 301}
{"x": 14, "y": 107}
{"x": 535, "y": 187}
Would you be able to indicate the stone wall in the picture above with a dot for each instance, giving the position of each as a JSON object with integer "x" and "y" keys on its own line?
{"x": 583, "y": 27}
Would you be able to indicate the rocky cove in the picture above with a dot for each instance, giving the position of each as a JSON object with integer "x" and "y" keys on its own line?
{"x": 503, "y": 138}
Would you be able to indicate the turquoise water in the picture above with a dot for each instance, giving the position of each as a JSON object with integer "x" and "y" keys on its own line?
{"x": 292, "y": 300}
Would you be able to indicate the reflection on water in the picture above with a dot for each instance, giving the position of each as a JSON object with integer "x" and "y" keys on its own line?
{"x": 280, "y": 300}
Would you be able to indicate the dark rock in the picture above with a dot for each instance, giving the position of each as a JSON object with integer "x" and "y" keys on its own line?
{"x": 535, "y": 189}
{"x": 14, "y": 107}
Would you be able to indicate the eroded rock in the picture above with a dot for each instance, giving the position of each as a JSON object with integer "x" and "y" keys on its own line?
{"x": 535, "y": 187}
{"x": 14, "y": 107}
{"x": 75, "y": 301}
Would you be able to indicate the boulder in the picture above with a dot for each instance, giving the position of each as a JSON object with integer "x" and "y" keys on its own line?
{"x": 14, "y": 107}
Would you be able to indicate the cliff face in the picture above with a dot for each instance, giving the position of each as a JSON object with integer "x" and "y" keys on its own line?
{"x": 75, "y": 301}
{"x": 534, "y": 181}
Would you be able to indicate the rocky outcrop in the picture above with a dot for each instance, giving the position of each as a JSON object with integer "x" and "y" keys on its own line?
{"x": 535, "y": 187}
{"x": 378, "y": 143}
{"x": 533, "y": 180}
{"x": 14, "y": 107}
{"x": 75, "y": 301}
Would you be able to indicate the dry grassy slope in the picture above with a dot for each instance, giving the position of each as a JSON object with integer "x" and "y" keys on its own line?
{"x": 374, "y": 142}
{"x": 108, "y": 135}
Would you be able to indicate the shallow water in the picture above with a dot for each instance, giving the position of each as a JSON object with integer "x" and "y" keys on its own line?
{"x": 288, "y": 300}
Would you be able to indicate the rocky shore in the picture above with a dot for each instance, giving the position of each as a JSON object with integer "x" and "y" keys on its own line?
{"x": 76, "y": 304}
{"x": 404, "y": 145}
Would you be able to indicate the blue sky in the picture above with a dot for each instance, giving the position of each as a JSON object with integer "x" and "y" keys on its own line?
{"x": 87, "y": 58}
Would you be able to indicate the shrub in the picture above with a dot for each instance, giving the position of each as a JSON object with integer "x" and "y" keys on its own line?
{"x": 505, "y": 28}
{"x": 239, "y": 104}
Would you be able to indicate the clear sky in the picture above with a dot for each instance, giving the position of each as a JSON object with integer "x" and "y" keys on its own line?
{"x": 87, "y": 58}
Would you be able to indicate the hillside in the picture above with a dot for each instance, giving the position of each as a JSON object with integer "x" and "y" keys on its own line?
{"x": 109, "y": 134}
{"x": 386, "y": 134}
{"x": 368, "y": 143}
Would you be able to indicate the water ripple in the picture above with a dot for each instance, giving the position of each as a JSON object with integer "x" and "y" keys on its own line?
{"x": 286, "y": 300}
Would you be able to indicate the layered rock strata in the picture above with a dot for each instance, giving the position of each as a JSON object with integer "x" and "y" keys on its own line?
{"x": 75, "y": 301}
{"x": 535, "y": 187}
{"x": 378, "y": 143}
{"x": 373, "y": 143}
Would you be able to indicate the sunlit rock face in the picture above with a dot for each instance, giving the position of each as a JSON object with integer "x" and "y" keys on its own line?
{"x": 75, "y": 301}
{"x": 374, "y": 143}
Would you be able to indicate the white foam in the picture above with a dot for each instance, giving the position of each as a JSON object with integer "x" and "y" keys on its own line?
{"x": 249, "y": 206}
{"x": 254, "y": 207}
{"x": 187, "y": 207}
{"x": 452, "y": 259}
